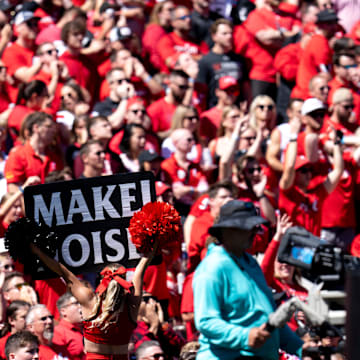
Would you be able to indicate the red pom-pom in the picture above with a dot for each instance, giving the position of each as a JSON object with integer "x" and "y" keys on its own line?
{"x": 157, "y": 220}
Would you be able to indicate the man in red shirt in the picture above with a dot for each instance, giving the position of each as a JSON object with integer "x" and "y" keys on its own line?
{"x": 317, "y": 55}
{"x": 40, "y": 322}
{"x": 179, "y": 40}
{"x": 162, "y": 110}
{"x": 34, "y": 157}
{"x": 219, "y": 194}
{"x": 319, "y": 87}
{"x": 68, "y": 338}
{"x": 18, "y": 57}
{"x": 22, "y": 346}
{"x": 81, "y": 68}
{"x": 302, "y": 204}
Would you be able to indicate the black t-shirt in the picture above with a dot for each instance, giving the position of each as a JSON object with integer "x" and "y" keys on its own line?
{"x": 214, "y": 66}
{"x": 105, "y": 107}
{"x": 200, "y": 27}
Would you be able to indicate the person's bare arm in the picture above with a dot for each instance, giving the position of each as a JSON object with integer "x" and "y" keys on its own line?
{"x": 273, "y": 151}
{"x": 6, "y": 34}
{"x": 312, "y": 147}
{"x": 187, "y": 229}
{"x": 334, "y": 176}
{"x": 81, "y": 292}
{"x": 24, "y": 73}
{"x": 227, "y": 158}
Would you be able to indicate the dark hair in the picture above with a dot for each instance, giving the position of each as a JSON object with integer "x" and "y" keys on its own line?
{"x": 85, "y": 148}
{"x": 228, "y": 185}
{"x": 93, "y": 120}
{"x": 145, "y": 345}
{"x": 214, "y": 26}
{"x": 344, "y": 45}
{"x": 77, "y": 89}
{"x": 26, "y": 90}
{"x": 242, "y": 161}
{"x": 128, "y": 132}
{"x": 109, "y": 73}
{"x": 58, "y": 175}
{"x": 357, "y": 50}
{"x": 36, "y": 118}
{"x": 77, "y": 25}
{"x": 338, "y": 55}
{"x": 10, "y": 276}
{"x": 19, "y": 340}
{"x": 180, "y": 73}
{"x": 11, "y": 311}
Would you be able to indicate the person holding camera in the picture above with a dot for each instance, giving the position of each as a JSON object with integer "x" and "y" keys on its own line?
{"x": 232, "y": 301}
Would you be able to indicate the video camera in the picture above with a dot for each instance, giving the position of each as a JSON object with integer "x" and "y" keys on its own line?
{"x": 319, "y": 260}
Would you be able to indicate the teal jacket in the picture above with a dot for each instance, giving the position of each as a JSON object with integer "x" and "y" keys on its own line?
{"x": 231, "y": 297}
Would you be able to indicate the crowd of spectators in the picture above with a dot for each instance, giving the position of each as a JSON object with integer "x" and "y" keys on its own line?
{"x": 251, "y": 100}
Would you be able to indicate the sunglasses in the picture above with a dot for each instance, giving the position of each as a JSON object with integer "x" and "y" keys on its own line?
{"x": 138, "y": 111}
{"x": 183, "y": 87}
{"x": 348, "y": 107}
{"x": 349, "y": 66}
{"x": 248, "y": 138}
{"x": 44, "y": 318}
{"x": 253, "y": 169}
{"x": 8, "y": 267}
{"x": 120, "y": 81}
{"x": 184, "y": 17}
{"x": 190, "y": 140}
{"x": 32, "y": 23}
{"x": 69, "y": 95}
{"x": 191, "y": 118}
{"x": 18, "y": 286}
{"x": 268, "y": 107}
{"x": 317, "y": 114}
{"x": 3, "y": 68}
{"x": 158, "y": 355}
{"x": 50, "y": 52}
{"x": 100, "y": 152}
{"x": 323, "y": 88}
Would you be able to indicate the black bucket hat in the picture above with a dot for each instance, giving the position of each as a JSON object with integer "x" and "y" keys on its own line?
{"x": 237, "y": 214}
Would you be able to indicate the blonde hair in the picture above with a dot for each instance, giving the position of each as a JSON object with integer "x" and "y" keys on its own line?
{"x": 225, "y": 113}
{"x": 112, "y": 303}
{"x": 254, "y": 105}
{"x": 154, "y": 16}
{"x": 177, "y": 121}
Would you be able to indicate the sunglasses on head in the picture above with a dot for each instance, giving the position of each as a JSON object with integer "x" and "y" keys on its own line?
{"x": 268, "y": 107}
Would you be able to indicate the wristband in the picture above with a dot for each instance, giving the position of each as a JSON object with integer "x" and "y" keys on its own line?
{"x": 21, "y": 189}
{"x": 261, "y": 196}
{"x": 235, "y": 137}
{"x": 124, "y": 98}
{"x": 293, "y": 137}
{"x": 191, "y": 81}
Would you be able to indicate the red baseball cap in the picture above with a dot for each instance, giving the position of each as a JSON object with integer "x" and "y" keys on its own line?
{"x": 301, "y": 161}
{"x": 227, "y": 81}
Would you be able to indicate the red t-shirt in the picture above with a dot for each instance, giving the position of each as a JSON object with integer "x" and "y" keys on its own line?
{"x": 173, "y": 173}
{"x": 200, "y": 206}
{"x": 2, "y": 346}
{"x": 16, "y": 117}
{"x": 46, "y": 353}
{"x": 14, "y": 57}
{"x": 342, "y": 201}
{"x": 262, "y": 56}
{"x": 81, "y": 69}
{"x": 287, "y": 61}
{"x": 304, "y": 209}
{"x": 187, "y": 306}
{"x": 171, "y": 44}
{"x": 161, "y": 113}
{"x": 23, "y": 162}
{"x": 316, "y": 53}
{"x": 68, "y": 341}
{"x": 199, "y": 234}
{"x": 151, "y": 37}
{"x": 210, "y": 122}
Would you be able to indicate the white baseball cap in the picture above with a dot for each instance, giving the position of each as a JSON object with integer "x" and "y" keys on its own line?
{"x": 23, "y": 16}
{"x": 311, "y": 105}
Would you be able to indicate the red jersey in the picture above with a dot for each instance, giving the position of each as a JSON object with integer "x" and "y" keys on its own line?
{"x": 16, "y": 117}
{"x": 200, "y": 206}
{"x": 2, "y": 345}
{"x": 304, "y": 209}
{"x": 316, "y": 53}
{"x": 161, "y": 113}
{"x": 171, "y": 44}
{"x": 23, "y": 162}
{"x": 47, "y": 353}
{"x": 175, "y": 174}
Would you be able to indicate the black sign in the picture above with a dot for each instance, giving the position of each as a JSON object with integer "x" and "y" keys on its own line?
{"x": 91, "y": 217}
